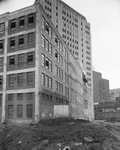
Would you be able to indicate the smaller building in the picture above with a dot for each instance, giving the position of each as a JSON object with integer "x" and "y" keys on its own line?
{"x": 107, "y": 110}
{"x": 114, "y": 93}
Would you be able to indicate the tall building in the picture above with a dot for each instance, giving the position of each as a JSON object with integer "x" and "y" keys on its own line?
{"x": 74, "y": 29}
{"x": 100, "y": 88}
{"x": 114, "y": 93}
{"x": 37, "y": 70}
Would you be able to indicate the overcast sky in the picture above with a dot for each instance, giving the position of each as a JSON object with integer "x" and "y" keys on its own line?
{"x": 104, "y": 17}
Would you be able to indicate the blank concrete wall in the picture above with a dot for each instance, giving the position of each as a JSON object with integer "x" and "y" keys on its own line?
{"x": 61, "y": 111}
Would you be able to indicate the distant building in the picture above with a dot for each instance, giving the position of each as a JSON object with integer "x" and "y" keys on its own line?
{"x": 100, "y": 88}
{"x": 114, "y": 93}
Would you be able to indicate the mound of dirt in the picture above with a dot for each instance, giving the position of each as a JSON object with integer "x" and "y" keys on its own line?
{"x": 60, "y": 134}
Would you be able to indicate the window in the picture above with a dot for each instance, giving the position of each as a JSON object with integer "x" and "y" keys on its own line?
{"x": 20, "y": 79}
{"x": 50, "y": 83}
{"x": 43, "y": 60}
{"x": 19, "y": 111}
{"x": 47, "y": 81}
{"x": 43, "y": 22}
{"x": 47, "y": 63}
{"x": 66, "y": 91}
{"x": 50, "y": 48}
{"x": 21, "y": 41}
{"x": 20, "y": 96}
{"x": 61, "y": 47}
{"x": 2, "y": 28}
{"x": 43, "y": 41}
{"x": 11, "y": 61}
{"x": 13, "y": 24}
{"x": 47, "y": 45}
{"x": 1, "y": 63}
{"x": 30, "y": 58}
{"x": 50, "y": 31}
{"x": 1, "y": 45}
{"x": 30, "y": 78}
{"x": 56, "y": 55}
{"x": 10, "y": 111}
{"x": 12, "y": 79}
{"x": 56, "y": 70}
{"x": 30, "y": 96}
{"x": 56, "y": 86}
{"x": 61, "y": 60}
{"x": 21, "y": 22}
{"x": 61, "y": 74}
{"x": 29, "y": 111}
{"x": 47, "y": 28}
{"x": 1, "y": 82}
{"x": 20, "y": 60}
{"x": 50, "y": 65}
{"x": 10, "y": 97}
{"x": 31, "y": 39}
{"x": 66, "y": 54}
{"x": 43, "y": 79}
{"x": 12, "y": 42}
{"x": 61, "y": 88}
{"x": 30, "y": 19}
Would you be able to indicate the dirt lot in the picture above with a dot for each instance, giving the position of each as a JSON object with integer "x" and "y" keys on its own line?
{"x": 61, "y": 134}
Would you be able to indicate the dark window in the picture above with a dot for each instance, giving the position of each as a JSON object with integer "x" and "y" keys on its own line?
{"x": 11, "y": 61}
{"x": 20, "y": 96}
{"x": 30, "y": 19}
{"x": 19, "y": 111}
{"x": 10, "y": 97}
{"x": 0, "y": 82}
{"x": 21, "y": 22}
{"x": 30, "y": 78}
{"x": 1, "y": 45}
{"x": 31, "y": 39}
{"x": 29, "y": 111}
{"x": 30, "y": 58}
{"x": 13, "y": 24}
{"x": 20, "y": 79}
{"x": 21, "y": 40}
{"x": 30, "y": 96}
{"x": 10, "y": 111}
{"x": 47, "y": 27}
{"x": 12, "y": 42}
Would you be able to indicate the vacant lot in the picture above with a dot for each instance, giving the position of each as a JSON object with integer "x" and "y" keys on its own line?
{"x": 61, "y": 134}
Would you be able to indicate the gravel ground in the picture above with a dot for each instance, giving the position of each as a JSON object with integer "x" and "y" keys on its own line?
{"x": 60, "y": 134}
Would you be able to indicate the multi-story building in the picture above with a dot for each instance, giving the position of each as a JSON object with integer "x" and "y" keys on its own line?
{"x": 114, "y": 93}
{"x": 35, "y": 66}
{"x": 74, "y": 29}
{"x": 100, "y": 88}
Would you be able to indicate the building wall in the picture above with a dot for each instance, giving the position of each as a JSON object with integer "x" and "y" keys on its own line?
{"x": 36, "y": 68}
{"x": 74, "y": 29}
{"x": 18, "y": 76}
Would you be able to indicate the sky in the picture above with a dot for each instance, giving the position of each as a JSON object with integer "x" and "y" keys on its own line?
{"x": 104, "y": 17}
